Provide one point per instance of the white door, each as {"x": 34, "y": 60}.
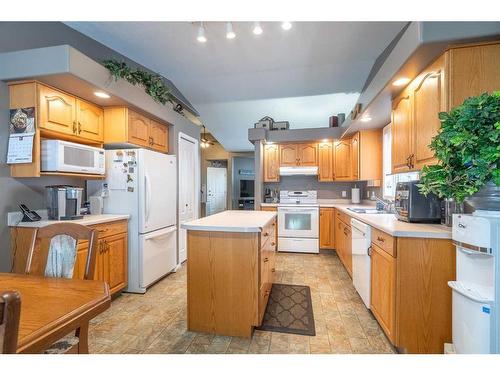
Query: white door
{"x": 158, "y": 254}
{"x": 157, "y": 190}
{"x": 188, "y": 169}
{"x": 216, "y": 190}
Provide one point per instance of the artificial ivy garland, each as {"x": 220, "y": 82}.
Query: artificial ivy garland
{"x": 151, "y": 82}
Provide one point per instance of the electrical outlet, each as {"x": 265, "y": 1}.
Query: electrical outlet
{"x": 344, "y": 194}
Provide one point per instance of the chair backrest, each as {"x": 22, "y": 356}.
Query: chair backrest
{"x": 10, "y": 312}
{"x": 38, "y": 255}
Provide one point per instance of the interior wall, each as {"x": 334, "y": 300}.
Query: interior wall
{"x": 241, "y": 163}
{"x": 217, "y": 152}
{"x": 25, "y": 35}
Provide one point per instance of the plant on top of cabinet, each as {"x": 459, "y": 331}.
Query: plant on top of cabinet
{"x": 152, "y": 83}
{"x": 468, "y": 149}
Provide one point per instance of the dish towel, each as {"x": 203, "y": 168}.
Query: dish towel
{"x": 62, "y": 256}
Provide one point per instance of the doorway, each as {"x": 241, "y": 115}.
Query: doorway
{"x": 216, "y": 190}
{"x": 189, "y": 172}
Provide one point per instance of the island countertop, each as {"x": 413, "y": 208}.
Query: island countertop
{"x": 232, "y": 221}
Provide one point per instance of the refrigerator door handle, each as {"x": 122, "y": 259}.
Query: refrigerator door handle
{"x": 162, "y": 235}
{"x": 147, "y": 197}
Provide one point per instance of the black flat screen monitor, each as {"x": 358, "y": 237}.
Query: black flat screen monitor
{"x": 246, "y": 188}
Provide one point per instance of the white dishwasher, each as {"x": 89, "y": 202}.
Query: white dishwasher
{"x": 361, "y": 262}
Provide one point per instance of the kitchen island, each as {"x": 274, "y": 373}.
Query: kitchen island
{"x": 230, "y": 267}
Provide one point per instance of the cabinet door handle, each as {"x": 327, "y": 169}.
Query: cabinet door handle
{"x": 380, "y": 239}
{"x": 273, "y": 243}
{"x": 273, "y": 269}
{"x": 74, "y": 126}
{"x": 79, "y": 127}
{"x": 265, "y": 234}
{"x": 266, "y": 259}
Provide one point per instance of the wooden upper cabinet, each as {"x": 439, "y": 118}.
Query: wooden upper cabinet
{"x": 57, "y": 111}
{"x": 401, "y": 134}
{"x": 122, "y": 125}
{"x": 355, "y": 156}
{"x": 307, "y": 154}
{"x": 473, "y": 70}
{"x": 342, "y": 160}
{"x": 325, "y": 162}
{"x": 326, "y": 228}
{"x": 138, "y": 129}
{"x": 90, "y": 121}
{"x": 159, "y": 136}
{"x": 271, "y": 163}
{"x": 289, "y": 155}
{"x": 427, "y": 103}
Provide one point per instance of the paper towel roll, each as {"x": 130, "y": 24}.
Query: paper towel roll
{"x": 355, "y": 195}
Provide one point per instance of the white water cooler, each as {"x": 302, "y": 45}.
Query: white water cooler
{"x": 474, "y": 323}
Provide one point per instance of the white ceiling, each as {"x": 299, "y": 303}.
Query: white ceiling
{"x": 302, "y": 75}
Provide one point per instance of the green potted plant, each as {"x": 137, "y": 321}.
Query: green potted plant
{"x": 468, "y": 151}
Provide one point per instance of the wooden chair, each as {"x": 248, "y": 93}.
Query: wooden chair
{"x": 36, "y": 265}
{"x": 10, "y": 311}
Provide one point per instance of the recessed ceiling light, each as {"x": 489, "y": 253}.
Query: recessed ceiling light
{"x": 101, "y": 94}
{"x": 365, "y": 119}
{"x": 257, "y": 29}
{"x": 201, "y": 34}
{"x": 286, "y": 25}
{"x": 401, "y": 81}
{"x": 230, "y": 34}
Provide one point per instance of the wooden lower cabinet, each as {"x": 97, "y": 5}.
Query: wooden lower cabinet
{"x": 343, "y": 238}
{"x": 229, "y": 280}
{"x": 111, "y": 253}
{"x": 383, "y": 290}
{"x": 423, "y": 298}
{"x": 410, "y": 297}
{"x": 111, "y": 256}
{"x": 326, "y": 228}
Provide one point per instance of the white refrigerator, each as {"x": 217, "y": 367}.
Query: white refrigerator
{"x": 143, "y": 184}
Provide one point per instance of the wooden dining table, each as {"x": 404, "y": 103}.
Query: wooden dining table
{"x": 51, "y": 308}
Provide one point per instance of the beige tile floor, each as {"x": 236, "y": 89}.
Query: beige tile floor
{"x": 156, "y": 321}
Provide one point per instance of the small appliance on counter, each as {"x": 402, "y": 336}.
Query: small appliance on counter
{"x": 64, "y": 202}
{"x": 355, "y": 195}
{"x": 413, "y": 207}
{"x": 271, "y": 195}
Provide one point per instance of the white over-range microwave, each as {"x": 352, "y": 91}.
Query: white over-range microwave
{"x": 62, "y": 156}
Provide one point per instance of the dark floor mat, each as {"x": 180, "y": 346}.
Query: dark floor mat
{"x": 289, "y": 310}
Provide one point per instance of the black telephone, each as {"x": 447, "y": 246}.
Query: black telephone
{"x": 29, "y": 215}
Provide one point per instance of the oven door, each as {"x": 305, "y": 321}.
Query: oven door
{"x": 298, "y": 222}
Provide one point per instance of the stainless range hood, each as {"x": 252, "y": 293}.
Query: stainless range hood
{"x": 298, "y": 171}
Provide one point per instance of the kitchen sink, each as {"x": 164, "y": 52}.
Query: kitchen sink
{"x": 367, "y": 211}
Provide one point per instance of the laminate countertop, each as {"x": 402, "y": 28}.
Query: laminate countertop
{"x": 387, "y": 223}
{"x": 14, "y": 220}
{"x": 232, "y": 221}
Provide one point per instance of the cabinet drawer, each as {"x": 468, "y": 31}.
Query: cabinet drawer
{"x": 343, "y": 217}
{"x": 110, "y": 229}
{"x": 264, "y": 293}
{"x": 268, "y": 232}
{"x": 385, "y": 241}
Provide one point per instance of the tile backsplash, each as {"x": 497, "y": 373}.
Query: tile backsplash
{"x": 326, "y": 190}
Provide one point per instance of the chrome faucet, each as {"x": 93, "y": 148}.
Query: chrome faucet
{"x": 388, "y": 204}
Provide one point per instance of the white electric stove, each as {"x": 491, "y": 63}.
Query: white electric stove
{"x": 298, "y": 221}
